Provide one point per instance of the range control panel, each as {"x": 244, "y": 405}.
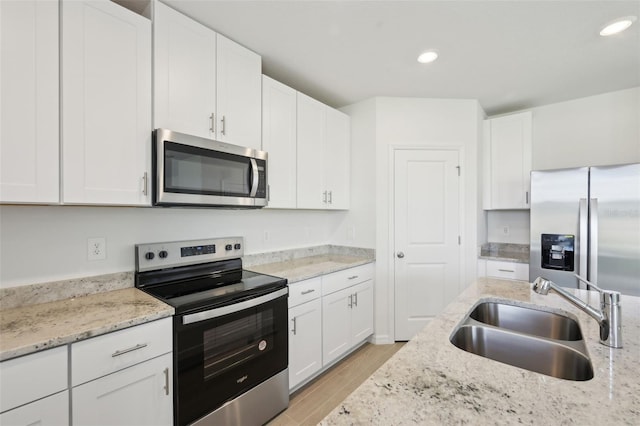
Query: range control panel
{"x": 154, "y": 256}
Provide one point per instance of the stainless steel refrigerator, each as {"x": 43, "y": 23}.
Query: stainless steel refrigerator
{"x": 586, "y": 221}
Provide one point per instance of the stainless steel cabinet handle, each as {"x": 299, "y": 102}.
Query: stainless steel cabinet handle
{"x": 355, "y": 297}
{"x": 330, "y": 197}
{"x": 145, "y": 184}
{"x": 526, "y": 196}
{"x": 126, "y": 351}
{"x": 324, "y": 197}
{"x": 351, "y": 300}
{"x": 400, "y": 255}
{"x": 506, "y": 270}
{"x": 307, "y": 291}
{"x": 166, "y": 381}
{"x": 224, "y": 125}
{"x": 294, "y": 326}
{"x": 212, "y": 125}
{"x": 353, "y": 277}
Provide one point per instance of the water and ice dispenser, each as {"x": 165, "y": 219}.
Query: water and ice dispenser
{"x": 557, "y": 252}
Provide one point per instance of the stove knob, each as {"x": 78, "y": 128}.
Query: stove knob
{"x": 163, "y": 254}
{"x": 228, "y": 247}
{"x": 237, "y": 246}
{"x": 149, "y": 255}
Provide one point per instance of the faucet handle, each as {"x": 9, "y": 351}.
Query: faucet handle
{"x": 607, "y": 297}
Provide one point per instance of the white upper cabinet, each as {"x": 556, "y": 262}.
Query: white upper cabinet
{"x": 205, "y": 84}
{"x": 184, "y": 73}
{"x": 323, "y": 156}
{"x": 337, "y": 158}
{"x": 29, "y": 102}
{"x": 311, "y": 162}
{"x": 106, "y": 104}
{"x": 239, "y": 85}
{"x": 279, "y": 140}
{"x": 507, "y": 161}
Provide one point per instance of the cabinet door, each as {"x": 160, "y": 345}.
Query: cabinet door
{"x": 336, "y": 325}
{"x": 29, "y": 102}
{"x": 337, "y": 158}
{"x": 509, "y": 165}
{"x": 106, "y": 104}
{"x": 239, "y": 94}
{"x": 279, "y": 140}
{"x": 311, "y": 128}
{"x": 361, "y": 312}
{"x": 138, "y": 395}
{"x": 184, "y": 73}
{"x": 50, "y": 411}
{"x": 305, "y": 341}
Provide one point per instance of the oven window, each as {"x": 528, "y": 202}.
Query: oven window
{"x": 232, "y": 344}
{"x": 193, "y": 170}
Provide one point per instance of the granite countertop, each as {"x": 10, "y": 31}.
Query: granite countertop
{"x": 295, "y": 270}
{"x": 33, "y": 328}
{"x": 517, "y": 253}
{"x": 431, "y": 382}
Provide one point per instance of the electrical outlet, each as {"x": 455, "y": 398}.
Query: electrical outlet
{"x": 266, "y": 236}
{"x": 351, "y": 233}
{"x": 96, "y": 248}
{"x": 505, "y": 230}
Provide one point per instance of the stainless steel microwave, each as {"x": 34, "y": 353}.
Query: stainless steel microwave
{"x": 194, "y": 171}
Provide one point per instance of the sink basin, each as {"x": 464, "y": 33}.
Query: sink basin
{"x": 527, "y": 320}
{"x": 543, "y": 356}
{"x": 536, "y": 340}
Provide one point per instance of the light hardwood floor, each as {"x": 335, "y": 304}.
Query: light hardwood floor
{"x": 314, "y": 401}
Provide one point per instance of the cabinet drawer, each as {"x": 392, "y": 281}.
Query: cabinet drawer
{"x": 32, "y": 377}
{"x": 102, "y": 355}
{"x": 508, "y": 270}
{"x": 346, "y": 278}
{"x": 304, "y": 291}
{"x": 50, "y": 411}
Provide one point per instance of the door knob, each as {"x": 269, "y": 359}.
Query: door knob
{"x": 400, "y": 255}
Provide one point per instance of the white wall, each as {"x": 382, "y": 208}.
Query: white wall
{"x": 517, "y": 222}
{"x": 414, "y": 122}
{"x": 48, "y": 243}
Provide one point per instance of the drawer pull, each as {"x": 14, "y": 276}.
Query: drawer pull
{"x": 506, "y": 270}
{"x": 295, "y": 324}
{"x": 353, "y": 277}
{"x": 126, "y": 351}
{"x": 166, "y": 381}
{"x": 307, "y": 291}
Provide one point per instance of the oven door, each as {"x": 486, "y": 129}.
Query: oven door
{"x": 195, "y": 171}
{"x": 224, "y": 352}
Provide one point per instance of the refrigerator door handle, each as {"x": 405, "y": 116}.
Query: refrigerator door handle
{"x": 582, "y": 239}
{"x": 593, "y": 240}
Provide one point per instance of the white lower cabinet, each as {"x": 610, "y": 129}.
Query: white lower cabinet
{"x": 124, "y": 377}
{"x": 503, "y": 269}
{"x": 138, "y": 395}
{"x": 50, "y": 411}
{"x": 305, "y": 341}
{"x": 347, "y": 319}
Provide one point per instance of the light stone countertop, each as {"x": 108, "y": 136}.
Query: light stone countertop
{"x": 32, "y": 328}
{"x": 432, "y": 382}
{"x": 295, "y": 270}
{"x": 505, "y": 252}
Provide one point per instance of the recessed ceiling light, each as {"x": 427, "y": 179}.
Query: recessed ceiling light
{"x": 617, "y": 26}
{"x": 428, "y": 56}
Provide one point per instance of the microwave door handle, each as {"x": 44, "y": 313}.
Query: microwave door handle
{"x": 255, "y": 177}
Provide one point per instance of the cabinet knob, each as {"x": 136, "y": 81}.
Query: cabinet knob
{"x": 400, "y": 255}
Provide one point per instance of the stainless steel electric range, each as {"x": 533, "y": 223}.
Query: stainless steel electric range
{"x": 230, "y": 338}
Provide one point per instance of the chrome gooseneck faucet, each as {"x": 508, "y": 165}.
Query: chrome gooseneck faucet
{"x": 609, "y": 317}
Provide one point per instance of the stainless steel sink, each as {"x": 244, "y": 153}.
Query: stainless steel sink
{"x": 527, "y": 320}
{"x": 539, "y": 341}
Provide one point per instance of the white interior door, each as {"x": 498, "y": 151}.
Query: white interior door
{"x": 426, "y": 233}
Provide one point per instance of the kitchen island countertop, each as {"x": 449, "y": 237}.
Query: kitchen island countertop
{"x": 432, "y": 382}
{"x": 37, "y": 327}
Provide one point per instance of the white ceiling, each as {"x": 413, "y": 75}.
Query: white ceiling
{"x": 509, "y": 55}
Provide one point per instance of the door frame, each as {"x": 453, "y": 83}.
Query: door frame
{"x": 391, "y": 288}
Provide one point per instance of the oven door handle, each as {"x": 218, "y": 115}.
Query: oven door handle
{"x": 235, "y": 307}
